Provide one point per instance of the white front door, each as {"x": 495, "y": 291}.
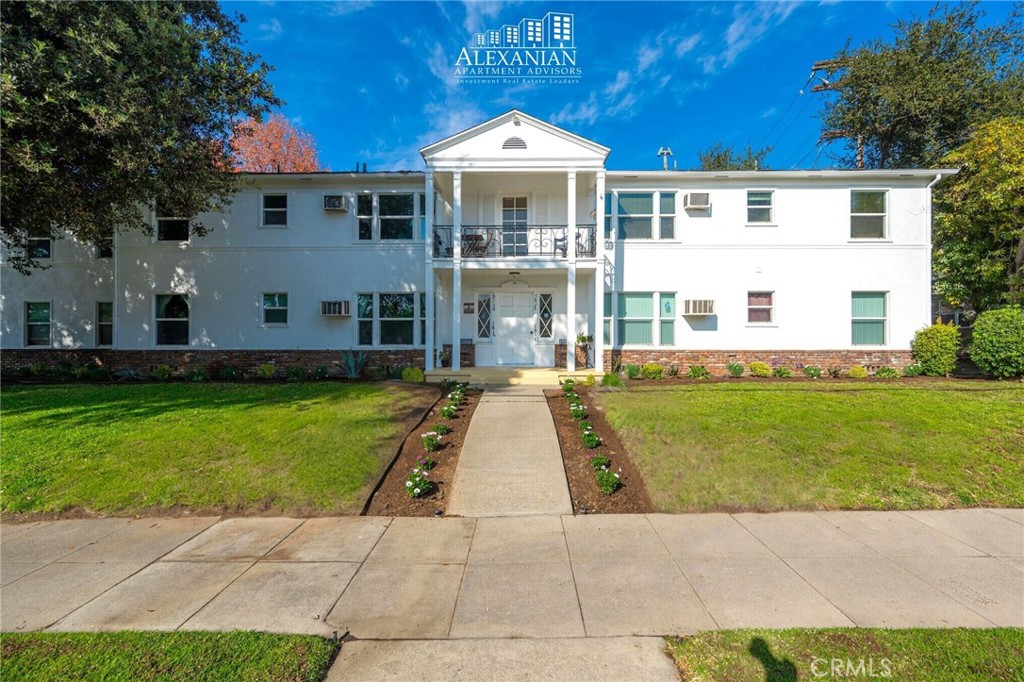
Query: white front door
{"x": 513, "y": 329}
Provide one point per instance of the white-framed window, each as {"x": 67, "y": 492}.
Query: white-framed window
{"x": 667, "y": 313}
{"x": 37, "y": 323}
{"x": 868, "y": 315}
{"x": 667, "y": 215}
{"x": 868, "y": 213}
{"x": 390, "y": 319}
{"x": 364, "y": 319}
{"x": 275, "y": 309}
{"x": 105, "y": 247}
{"x": 171, "y": 316}
{"x": 397, "y": 213}
{"x": 760, "y": 307}
{"x": 104, "y": 323}
{"x": 39, "y": 247}
{"x": 170, "y": 228}
{"x": 423, "y": 319}
{"x": 274, "y": 210}
{"x": 364, "y": 216}
{"x": 635, "y": 211}
{"x": 607, "y": 317}
{"x": 760, "y": 206}
{"x": 636, "y": 319}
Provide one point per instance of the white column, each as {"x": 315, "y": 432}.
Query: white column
{"x": 599, "y": 277}
{"x": 456, "y": 269}
{"x": 570, "y": 215}
{"x": 428, "y": 288}
{"x": 570, "y": 300}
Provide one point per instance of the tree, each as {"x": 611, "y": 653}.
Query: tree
{"x": 108, "y": 106}
{"x": 719, "y": 157}
{"x": 911, "y": 102}
{"x": 275, "y": 146}
{"x": 979, "y": 222}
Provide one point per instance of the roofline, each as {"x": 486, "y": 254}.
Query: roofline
{"x": 924, "y": 173}
{"x": 469, "y": 132}
{"x": 336, "y": 174}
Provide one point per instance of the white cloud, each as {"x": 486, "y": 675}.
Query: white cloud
{"x": 481, "y": 14}
{"x": 750, "y": 23}
{"x": 647, "y": 56}
{"x": 582, "y": 112}
{"x": 342, "y": 7}
{"x": 686, "y": 45}
{"x": 618, "y": 85}
{"x": 270, "y": 30}
{"x": 401, "y": 80}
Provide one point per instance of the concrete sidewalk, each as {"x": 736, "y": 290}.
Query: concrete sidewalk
{"x": 510, "y": 464}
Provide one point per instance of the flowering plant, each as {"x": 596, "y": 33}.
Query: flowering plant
{"x": 591, "y": 439}
{"x": 599, "y": 462}
{"x": 448, "y": 411}
{"x": 578, "y": 411}
{"x": 425, "y": 463}
{"x": 417, "y": 484}
{"x": 608, "y": 481}
{"x": 431, "y": 441}
{"x": 441, "y": 429}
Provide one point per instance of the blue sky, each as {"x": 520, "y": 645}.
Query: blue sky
{"x": 375, "y": 81}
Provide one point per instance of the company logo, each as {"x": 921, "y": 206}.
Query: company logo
{"x": 532, "y": 51}
{"x": 851, "y": 668}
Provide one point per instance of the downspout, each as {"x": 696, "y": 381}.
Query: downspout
{"x": 928, "y": 242}
{"x": 115, "y": 341}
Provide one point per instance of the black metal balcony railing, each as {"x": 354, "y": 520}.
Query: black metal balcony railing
{"x": 514, "y": 241}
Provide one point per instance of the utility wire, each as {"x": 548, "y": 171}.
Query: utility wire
{"x": 788, "y": 107}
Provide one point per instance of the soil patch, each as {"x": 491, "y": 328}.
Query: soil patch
{"x": 587, "y": 498}
{"x": 391, "y": 498}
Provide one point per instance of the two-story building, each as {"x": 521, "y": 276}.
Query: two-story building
{"x": 515, "y": 241}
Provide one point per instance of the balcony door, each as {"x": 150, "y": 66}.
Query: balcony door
{"x": 513, "y": 328}
{"x": 514, "y": 231}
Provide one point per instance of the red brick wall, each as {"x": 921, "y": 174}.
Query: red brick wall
{"x": 716, "y": 360}
{"x": 467, "y": 354}
{"x": 210, "y": 360}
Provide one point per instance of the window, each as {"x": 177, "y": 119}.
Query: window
{"x": 364, "y": 315}
{"x": 170, "y": 228}
{"x": 37, "y": 324}
{"x": 396, "y": 319}
{"x": 636, "y": 213}
{"x": 760, "y": 307}
{"x": 275, "y": 309}
{"x": 869, "y": 314}
{"x": 667, "y": 211}
{"x": 423, "y": 216}
{"x": 484, "y": 316}
{"x": 40, "y": 247}
{"x": 104, "y": 324}
{"x": 607, "y": 215}
{"x": 275, "y": 210}
{"x": 759, "y": 206}
{"x": 105, "y": 248}
{"x": 172, "y": 319}
{"x": 667, "y": 306}
{"x": 514, "y": 233}
{"x": 364, "y": 214}
{"x": 607, "y": 319}
{"x": 867, "y": 214}
{"x": 545, "y": 319}
{"x": 396, "y": 216}
{"x": 636, "y": 317}
{"x": 423, "y": 318}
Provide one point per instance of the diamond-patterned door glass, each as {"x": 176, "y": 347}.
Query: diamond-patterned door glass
{"x": 544, "y": 316}
{"x": 483, "y": 316}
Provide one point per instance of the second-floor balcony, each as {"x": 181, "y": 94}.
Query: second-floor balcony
{"x": 517, "y": 241}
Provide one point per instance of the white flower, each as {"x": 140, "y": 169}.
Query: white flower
{"x": 415, "y": 471}
{"x": 616, "y": 475}
{"x": 408, "y": 484}
{"x": 416, "y": 491}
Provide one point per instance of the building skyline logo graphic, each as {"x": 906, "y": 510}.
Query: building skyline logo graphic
{"x": 531, "y": 51}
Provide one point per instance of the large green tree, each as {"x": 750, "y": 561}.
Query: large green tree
{"x": 979, "y": 222}
{"x": 108, "y": 106}
{"x": 722, "y": 157}
{"x": 911, "y": 101}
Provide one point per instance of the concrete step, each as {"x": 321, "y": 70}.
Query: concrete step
{"x": 507, "y": 376}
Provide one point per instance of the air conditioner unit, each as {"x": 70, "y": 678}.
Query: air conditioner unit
{"x": 699, "y": 307}
{"x": 697, "y": 200}
{"x": 335, "y": 308}
{"x": 335, "y": 202}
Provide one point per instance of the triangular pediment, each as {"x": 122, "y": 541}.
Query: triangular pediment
{"x": 514, "y": 140}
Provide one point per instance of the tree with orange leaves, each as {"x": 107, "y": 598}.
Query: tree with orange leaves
{"x": 274, "y": 146}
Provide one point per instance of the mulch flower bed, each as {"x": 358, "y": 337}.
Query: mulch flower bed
{"x": 587, "y": 498}
{"x": 392, "y": 498}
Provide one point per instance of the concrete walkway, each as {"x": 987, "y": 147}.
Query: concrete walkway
{"x": 510, "y": 463}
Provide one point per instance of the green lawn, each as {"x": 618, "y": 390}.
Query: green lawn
{"x": 907, "y": 655}
{"x": 165, "y": 656}
{"x": 300, "y": 448}
{"x": 802, "y": 445}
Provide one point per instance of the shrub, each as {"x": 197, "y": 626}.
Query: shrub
{"x": 812, "y": 371}
{"x": 128, "y": 374}
{"x": 448, "y": 412}
{"x": 80, "y": 373}
{"x": 935, "y": 347}
{"x": 835, "y": 371}
{"x": 431, "y": 441}
{"x": 296, "y": 373}
{"x": 441, "y": 429}
{"x": 162, "y": 372}
{"x": 857, "y": 372}
{"x": 417, "y": 484}
{"x": 591, "y": 440}
{"x": 887, "y": 373}
{"x": 353, "y": 364}
{"x": 266, "y": 371}
{"x": 599, "y": 462}
{"x": 413, "y": 374}
{"x": 633, "y": 371}
{"x": 586, "y": 426}
{"x": 698, "y": 372}
{"x": 913, "y": 370}
{"x": 734, "y": 369}
{"x": 568, "y": 386}
{"x": 611, "y": 380}
{"x": 320, "y": 372}
{"x": 760, "y": 369}
{"x": 198, "y": 375}
{"x": 590, "y": 380}
{"x": 98, "y": 373}
{"x": 607, "y": 481}
{"x": 579, "y": 411}
{"x": 781, "y": 373}
{"x": 228, "y": 373}
{"x": 425, "y": 463}
{"x": 998, "y": 347}
{"x": 673, "y": 370}
{"x": 652, "y": 370}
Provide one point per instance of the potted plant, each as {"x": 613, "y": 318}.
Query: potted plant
{"x": 445, "y": 356}
{"x": 583, "y": 342}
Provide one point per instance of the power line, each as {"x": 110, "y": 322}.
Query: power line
{"x": 788, "y": 107}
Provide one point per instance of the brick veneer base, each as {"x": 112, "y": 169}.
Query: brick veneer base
{"x": 791, "y": 359}
{"x": 210, "y": 360}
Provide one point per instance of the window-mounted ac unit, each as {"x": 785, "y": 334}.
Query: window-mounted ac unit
{"x": 334, "y": 308}
{"x": 697, "y": 200}
{"x": 335, "y": 202}
{"x": 699, "y": 307}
